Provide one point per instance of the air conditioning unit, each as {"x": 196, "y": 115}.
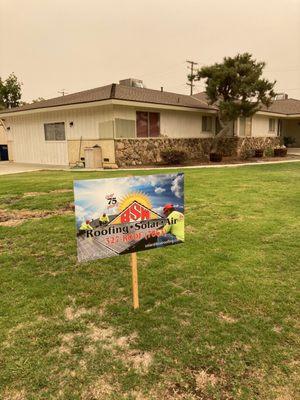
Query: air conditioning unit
{"x": 132, "y": 82}
{"x": 281, "y": 96}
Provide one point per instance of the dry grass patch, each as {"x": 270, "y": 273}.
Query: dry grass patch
{"x": 203, "y": 379}
{"x": 71, "y": 313}
{"x": 99, "y": 390}
{"x": 15, "y": 218}
{"x": 33, "y": 194}
{"x": 227, "y": 318}
{"x": 13, "y": 394}
{"x": 67, "y": 342}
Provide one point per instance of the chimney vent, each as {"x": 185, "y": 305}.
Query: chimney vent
{"x": 161, "y": 89}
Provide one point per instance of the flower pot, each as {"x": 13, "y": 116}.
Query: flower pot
{"x": 259, "y": 153}
{"x": 280, "y": 152}
{"x": 215, "y": 157}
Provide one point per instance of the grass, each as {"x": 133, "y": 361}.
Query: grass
{"x": 218, "y": 316}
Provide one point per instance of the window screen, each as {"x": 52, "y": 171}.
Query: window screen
{"x": 206, "y": 124}
{"x": 55, "y": 131}
{"x": 125, "y": 128}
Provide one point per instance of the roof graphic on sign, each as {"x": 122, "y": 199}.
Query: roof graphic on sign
{"x": 135, "y": 212}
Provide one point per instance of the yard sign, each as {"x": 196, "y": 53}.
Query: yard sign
{"x": 116, "y": 216}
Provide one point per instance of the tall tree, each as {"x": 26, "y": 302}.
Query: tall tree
{"x": 237, "y": 87}
{"x": 10, "y": 92}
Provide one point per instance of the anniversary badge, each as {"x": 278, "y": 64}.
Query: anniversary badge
{"x": 125, "y": 215}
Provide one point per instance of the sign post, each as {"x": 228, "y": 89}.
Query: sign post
{"x": 135, "y": 283}
{"x": 117, "y": 216}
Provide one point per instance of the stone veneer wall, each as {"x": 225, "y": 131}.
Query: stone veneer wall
{"x": 147, "y": 151}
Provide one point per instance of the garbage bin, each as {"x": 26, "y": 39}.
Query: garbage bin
{"x": 93, "y": 157}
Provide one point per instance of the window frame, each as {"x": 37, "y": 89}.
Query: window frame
{"x": 47, "y": 124}
{"x": 148, "y": 124}
{"x": 202, "y": 123}
{"x": 272, "y": 121}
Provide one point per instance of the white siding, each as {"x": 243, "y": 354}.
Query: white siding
{"x": 260, "y": 126}
{"x": 173, "y": 124}
{"x": 28, "y": 136}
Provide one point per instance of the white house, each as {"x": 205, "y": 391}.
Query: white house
{"x": 57, "y": 130}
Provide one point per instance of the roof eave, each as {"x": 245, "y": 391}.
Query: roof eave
{"x": 102, "y": 103}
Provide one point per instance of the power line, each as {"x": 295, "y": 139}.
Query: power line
{"x": 192, "y": 76}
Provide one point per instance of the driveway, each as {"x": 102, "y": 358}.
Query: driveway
{"x": 7, "y": 167}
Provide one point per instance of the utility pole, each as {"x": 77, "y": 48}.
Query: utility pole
{"x": 62, "y": 92}
{"x": 191, "y": 83}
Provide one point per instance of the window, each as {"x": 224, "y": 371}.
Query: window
{"x": 55, "y": 131}
{"x": 242, "y": 130}
{"x": 271, "y": 125}
{"x": 147, "y": 124}
{"x": 206, "y": 124}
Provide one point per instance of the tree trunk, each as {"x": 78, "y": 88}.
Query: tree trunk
{"x": 223, "y": 133}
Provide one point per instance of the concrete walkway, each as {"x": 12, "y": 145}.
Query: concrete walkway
{"x": 295, "y": 151}
{"x": 7, "y": 168}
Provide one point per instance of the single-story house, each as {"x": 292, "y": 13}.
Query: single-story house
{"x": 56, "y": 131}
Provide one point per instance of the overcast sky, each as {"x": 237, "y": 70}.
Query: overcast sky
{"x": 81, "y": 44}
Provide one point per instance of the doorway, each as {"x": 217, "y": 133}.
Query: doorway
{"x": 3, "y": 152}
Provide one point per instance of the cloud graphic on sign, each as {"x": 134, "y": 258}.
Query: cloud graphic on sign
{"x": 159, "y": 190}
{"x": 177, "y": 186}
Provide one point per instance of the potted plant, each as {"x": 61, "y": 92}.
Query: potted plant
{"x": 215, "y": 157}
{"x": 259, "y": 153}
{"x": 280, "y": 151}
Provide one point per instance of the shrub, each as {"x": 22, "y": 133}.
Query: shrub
{"x": 269, "y": 152}
{"x": 288, "y": 140}
{"x": 173, "y": 156}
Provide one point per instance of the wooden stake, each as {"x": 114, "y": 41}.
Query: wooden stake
{"x": 135, "y": 285}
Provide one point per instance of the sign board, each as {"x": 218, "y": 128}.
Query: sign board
{"x": 116, "y": 216}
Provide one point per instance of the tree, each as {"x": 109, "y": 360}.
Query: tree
{"x": 38, "y": 100}
{"x": 236, "y": 86}
{"x": 10, "y": 92}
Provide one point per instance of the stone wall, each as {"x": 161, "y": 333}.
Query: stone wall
{"x": 147, "y": 151}
{"x": 246, "y": 145}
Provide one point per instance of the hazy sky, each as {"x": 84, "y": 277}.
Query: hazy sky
{"x": 81, "y": 44}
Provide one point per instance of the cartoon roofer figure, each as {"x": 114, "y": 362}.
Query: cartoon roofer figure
{"x": 85, "y": 226}
{"x": 174, "y": 230}
{"x": 103, "y": 220}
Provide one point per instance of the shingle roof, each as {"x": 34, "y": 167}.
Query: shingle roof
{"x": 118, "y": 92}
{"x": 284, "y": 106}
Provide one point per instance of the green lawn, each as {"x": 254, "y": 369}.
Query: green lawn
{"x": 218, "y": 317}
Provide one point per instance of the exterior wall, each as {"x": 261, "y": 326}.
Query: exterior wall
{"x": 291, "y": 128}
{"x": 107, "y": 146}
{"x": 28, "y": 140}
{"x": 3, "y": 136}
{"x": 175, "y": 124}
{"x": 260, "y": 126}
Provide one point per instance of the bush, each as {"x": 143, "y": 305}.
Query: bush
{"x": 173, "y": 156}
{"x": 269, "y": 152}
{"x": 288, "y": 141}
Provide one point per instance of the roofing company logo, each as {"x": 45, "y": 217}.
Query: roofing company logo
{"x": 135, "y": 207}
